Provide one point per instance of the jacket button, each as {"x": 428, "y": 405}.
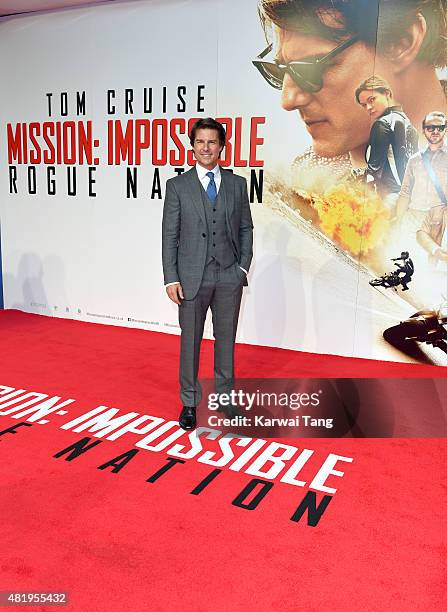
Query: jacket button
{"x": 203, "y": 235}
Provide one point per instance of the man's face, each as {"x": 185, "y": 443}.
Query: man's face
{"x": 374, "y": 102}
{"x": 434, "y": 130}
{"x": 207, "y": 147}
{"x": 332, "y": 116}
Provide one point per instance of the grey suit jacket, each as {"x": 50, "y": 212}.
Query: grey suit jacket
{"x": 184, "y": 228}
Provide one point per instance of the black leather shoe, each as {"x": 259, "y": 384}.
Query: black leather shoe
{"x": 187, "y": 418}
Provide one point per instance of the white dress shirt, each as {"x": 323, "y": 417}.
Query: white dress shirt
{"x": 204, "y": 179}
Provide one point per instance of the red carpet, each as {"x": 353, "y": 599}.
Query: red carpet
{"x": 117, "y": 542}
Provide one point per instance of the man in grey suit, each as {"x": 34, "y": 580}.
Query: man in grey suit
{"x": 207, "y": 236}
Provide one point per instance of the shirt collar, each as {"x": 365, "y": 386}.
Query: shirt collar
{"x": 201, "y": 171}
{"x": 443, "y": 148}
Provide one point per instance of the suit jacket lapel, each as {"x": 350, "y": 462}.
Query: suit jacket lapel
{"x": 227, "y": 188}
{"x": 195, "y": 192}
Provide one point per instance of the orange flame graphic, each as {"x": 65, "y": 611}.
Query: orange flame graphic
{"x": 353, "y": 216}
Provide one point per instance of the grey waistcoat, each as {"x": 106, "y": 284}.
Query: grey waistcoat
{"x": 219, "y": 246}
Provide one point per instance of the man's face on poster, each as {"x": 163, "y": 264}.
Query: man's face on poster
{"x": 336, "y": 123}
{"x": 434, "y": 130}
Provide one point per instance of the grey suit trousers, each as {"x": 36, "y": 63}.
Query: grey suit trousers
{"x": 220, "y": 290}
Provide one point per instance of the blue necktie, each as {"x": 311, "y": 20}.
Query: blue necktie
{"x": 211, "y": 190}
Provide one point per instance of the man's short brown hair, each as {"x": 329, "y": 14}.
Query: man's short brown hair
{"x": 208, "y": 124}
{"x": 373, "y": 83}
{"x": 376, "y": 22}
{"x": 434, "y": 115}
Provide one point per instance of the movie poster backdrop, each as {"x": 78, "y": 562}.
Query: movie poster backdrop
{"x": 96, "y": 107}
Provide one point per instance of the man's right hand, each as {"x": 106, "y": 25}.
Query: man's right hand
{"x": 175, "y": 293}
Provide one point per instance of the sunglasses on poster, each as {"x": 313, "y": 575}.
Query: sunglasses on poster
{"x": 432, "y": 128}
{"x": 307, "y": 73}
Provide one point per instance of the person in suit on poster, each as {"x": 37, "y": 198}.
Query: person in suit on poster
{"x": 421, "y": 206}
{"x": 432, "y": 165}
{"x": 392, "y": 141}
{"x": 207, "y": 248}
{"x": 425, "y": 181}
